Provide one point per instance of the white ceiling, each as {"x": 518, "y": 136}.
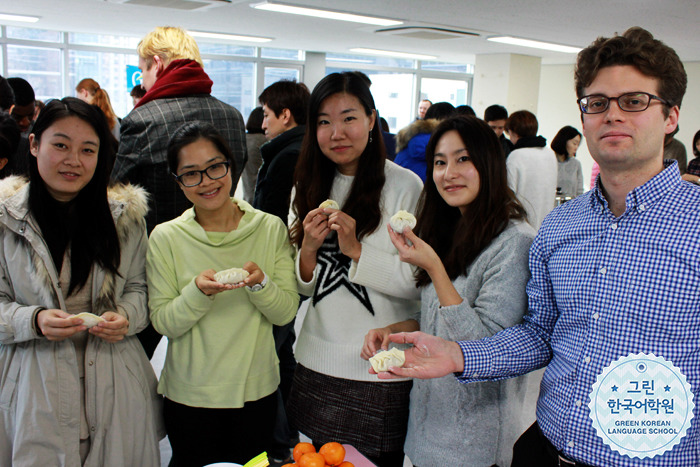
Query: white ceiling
{"x": 568, "y": 22}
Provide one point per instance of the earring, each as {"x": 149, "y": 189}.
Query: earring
{"x": 370, "y": 136}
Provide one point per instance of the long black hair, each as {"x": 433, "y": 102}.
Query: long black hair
{"x": 85, "y": 223}
{"x": 314, "y": 173}
{"x": 458, "y": 239}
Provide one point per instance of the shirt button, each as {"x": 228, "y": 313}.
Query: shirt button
{"x": 91, "y": 363}
{"x": 587, "y": 359}
{"x": 596, "y": 315}
{"x": 570, "y": 444}
{"x": 578, "y": 403}
{"x": 92, "y": 428}
{"x": 475, "y": 375}
{"x": 642, "y": 207}
{"x": 603, "y": 270}
{"x": 613, "y": 226}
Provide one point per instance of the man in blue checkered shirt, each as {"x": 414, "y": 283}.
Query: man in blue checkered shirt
{"x": 615, "y": 272}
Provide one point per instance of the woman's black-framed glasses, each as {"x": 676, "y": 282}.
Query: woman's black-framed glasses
{"x": 629, "y": 102}
{"x": 195, "y": 177}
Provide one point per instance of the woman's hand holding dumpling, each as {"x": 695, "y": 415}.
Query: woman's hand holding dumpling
{"x": 413, "y": 250}
{"x": 57, "y": 325}
{"x": 344, "y": 225}
{"x": 316, "y": 229}
{"x": 113, "y": 328}
{"x": 209, "y": 286}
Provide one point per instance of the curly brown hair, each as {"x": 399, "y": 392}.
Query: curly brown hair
{"x": 638, "y": 48}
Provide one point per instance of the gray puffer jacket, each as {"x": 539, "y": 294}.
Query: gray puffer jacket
{"x": 39, "y": 381}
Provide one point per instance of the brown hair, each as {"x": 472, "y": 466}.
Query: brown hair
{"x": 523, "y": 123}
{"x": 100, "y": 98}
{"x": 638, "y": 48}
{"x": 458, "y": 239}
{"x": 287, "y": 94}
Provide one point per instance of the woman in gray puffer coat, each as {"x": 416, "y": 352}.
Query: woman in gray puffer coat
{"x": 70, "y": 395}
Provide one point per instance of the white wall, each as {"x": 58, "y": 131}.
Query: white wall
{"x": 557, "y": 107}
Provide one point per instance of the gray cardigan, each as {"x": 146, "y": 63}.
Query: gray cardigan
{"x": 474, "y": 424}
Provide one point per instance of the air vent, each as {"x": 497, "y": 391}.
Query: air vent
{"x": 426, "y": 32}
{"x": 175, "y": 4}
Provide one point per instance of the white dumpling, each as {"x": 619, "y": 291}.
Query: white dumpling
{"x": 329, "y": 203}
{"x": 386, "y": 358}
{"x": 89, "y": 319}
{"x": 401, "y": 220}
{"x": 231, "y": 276}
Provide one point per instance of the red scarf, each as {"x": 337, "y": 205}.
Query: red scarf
{"x": 182, "y": 77}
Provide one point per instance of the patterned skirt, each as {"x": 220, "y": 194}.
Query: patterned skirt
{"x": 372, "y": 417}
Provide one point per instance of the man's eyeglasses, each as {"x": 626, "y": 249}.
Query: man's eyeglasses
{"x": 629, "y": 102}
{"x": 194, "y": 177}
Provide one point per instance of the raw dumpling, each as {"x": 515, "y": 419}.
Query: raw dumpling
{"x": 329, "y": 203}
{"x": 89, "y": 319}
{"x": 231, "y": 276}
{"x": 386, "y": 358}
{"x": 401, "y": 220}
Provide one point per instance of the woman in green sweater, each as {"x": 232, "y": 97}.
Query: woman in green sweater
{"x": 221, "y": 370}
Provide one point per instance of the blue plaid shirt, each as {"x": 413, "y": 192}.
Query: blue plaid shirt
{"x": 601, "y": 288}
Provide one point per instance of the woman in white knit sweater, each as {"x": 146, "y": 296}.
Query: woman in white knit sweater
{"x": 348, "y": 266}
{"x": 471, "y": 246}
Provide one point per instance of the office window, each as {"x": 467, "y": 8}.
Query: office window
{"x": 33, "y": 34}
{"x": 225, "y": 49}
{"x": 234, "y": 83}
{"x": 40, "y": 66}
{"x": 361, "y": 60}
{"x": 104, "y": 40}
{"x": 109, "y": 70}
{"x": 445, "y": 90}
{"x": 287, "y": 54}
{"x": 392, "y": 93}
{"x": 274, "y": 74}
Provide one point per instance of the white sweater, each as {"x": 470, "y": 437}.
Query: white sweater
{"x": 375, "y": 291}
{"x": 532, "y": 175}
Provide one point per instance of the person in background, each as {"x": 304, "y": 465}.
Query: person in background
{"x": 38, "y": 107}
{"x": 90, "y": 91}
{"x": 495, "y": 117}
{"x": 136, "y": 93}
{"x": 23, "y": 113}
{"x": 9, "y": 140}
{"x": 221, "y": 372}
{"x": 389, "y": 139}
{"x": 412, "y": 140}
{"x": 569, "y": 172}
{"x": 71, "y": 395}
{"x": 177, "y": 91}
{"x": 693, "y": 172}
{"x": 470, "y": 247}
{"x": 350, "y": 270}
{"x": 254, "y": 138}
{"x": 7, "y": 96}
{"x": 674, "y": 149}
{"x": 532, "y": 167}
{"x": 423, "y": 107}
{"x": 465, "y": 110}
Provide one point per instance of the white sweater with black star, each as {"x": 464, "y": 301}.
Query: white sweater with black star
{"x": 349, "y": 298}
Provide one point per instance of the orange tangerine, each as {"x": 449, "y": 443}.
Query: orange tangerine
{"x": 302, "y": 448}
{"x": 311, "y": 459}
{"x": 333, "y": 453}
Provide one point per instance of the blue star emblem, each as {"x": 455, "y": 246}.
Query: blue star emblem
{"x": 614, "y": 388}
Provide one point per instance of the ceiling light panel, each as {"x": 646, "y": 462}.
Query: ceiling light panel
{"x": 535, "y": 44}
{"x": 326, "y": 14}
{"x": 391, "y": 53}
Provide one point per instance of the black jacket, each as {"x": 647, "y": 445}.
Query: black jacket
{"x": 276, "y": 174}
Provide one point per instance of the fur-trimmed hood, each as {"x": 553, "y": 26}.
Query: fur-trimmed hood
{"x": 128, "y": 203}
{"x": 415, "y": 128}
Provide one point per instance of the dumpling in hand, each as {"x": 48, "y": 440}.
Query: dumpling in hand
{"x": 401, "y": 220}
{"x": 329, "y": 203}
{"x": 89, "y": 319}
{"x": 386, "y": 358}
{"x": 231, "y": 276}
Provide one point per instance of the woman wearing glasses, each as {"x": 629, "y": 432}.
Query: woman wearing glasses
{"x": 221, "y": 370}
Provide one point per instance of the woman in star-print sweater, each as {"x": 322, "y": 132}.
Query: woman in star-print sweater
{"x": 349, "y": 268}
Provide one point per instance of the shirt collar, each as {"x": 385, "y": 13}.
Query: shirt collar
{"x": 644, "y": 196}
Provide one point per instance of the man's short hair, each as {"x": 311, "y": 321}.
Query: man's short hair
{"x": 523, "y": 123}
{"x": 137, "y": 91}
{"x": 287, "y": 94}
{"x": 495, "y": 112}
{"x": 7, "y": 95}
{"x": 426, "y": 100}
{"x": 169, "y": 43}
{"x": 638, "y": 48}
{"x": 24, "y": 93}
